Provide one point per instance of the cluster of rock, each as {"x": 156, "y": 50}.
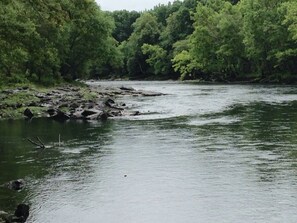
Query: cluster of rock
{"x": 22, "y": 210}
{"x": 68, "y": 102}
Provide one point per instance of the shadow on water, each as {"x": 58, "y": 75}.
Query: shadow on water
{"x": 70, "y": 159}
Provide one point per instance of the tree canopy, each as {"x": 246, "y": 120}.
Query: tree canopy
{"x": 220, "y": 40}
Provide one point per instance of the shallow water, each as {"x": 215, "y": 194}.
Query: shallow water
{"x": 200, "y": 153}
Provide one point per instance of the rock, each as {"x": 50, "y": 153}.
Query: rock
{"x": 60, "y": 116}
{"x": 77, "y": 115}
{"x": 63, "y": 105}
{"x": 22, "y": 212}
{"x": 114, "y": 113}
{"x": 91, "y": 105}
{"x": 3, "y": 217}
{"x": 25, "y": 88}
{"x": 33, "y": 104}
{"x": 18, "y": 105}
{"x": 127, "y": 88}
{"x": 74, "y": 105}
{"x": 89, "y": 112}
{"x": 104, "y": 116}
{"x": 150, "y": 93}
{"x": 94, "y": 117}
{"x": 8, "y": 91}
{"x": 40, "y": 95}
{"x": 15, "y": 184}
{"x": 131, "y": 113}
{"x": 28, "y": 113}
{"x": 52, "y": 111}
{"x": 109, "y": 102}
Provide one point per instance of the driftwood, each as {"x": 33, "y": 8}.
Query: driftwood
{"x": 37, "y": 143}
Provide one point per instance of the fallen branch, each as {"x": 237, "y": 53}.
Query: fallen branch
{"x": 39, "y": 144}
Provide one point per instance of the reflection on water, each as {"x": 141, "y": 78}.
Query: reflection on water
{"x": 200, "y": 154}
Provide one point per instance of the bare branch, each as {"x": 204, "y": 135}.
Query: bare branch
{"x": 40, "y": 144}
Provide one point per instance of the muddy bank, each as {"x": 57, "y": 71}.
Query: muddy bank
{"x": 67, "y": 102}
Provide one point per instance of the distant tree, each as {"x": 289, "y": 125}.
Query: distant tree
{"x": 146, "y": 31}
{"x": 217, "y": 41}
{"x": 15, "y": 33}
{"x": 263, "y": 33}
{"x": 156, "y": 56}
{"x": 123, "y": 23}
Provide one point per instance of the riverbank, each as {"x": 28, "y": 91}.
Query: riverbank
{"x": 66, "y": 102}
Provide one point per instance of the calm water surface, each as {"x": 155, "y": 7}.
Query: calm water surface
{"x": 201, "y": 153}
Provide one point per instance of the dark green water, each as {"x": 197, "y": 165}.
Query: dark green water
{"x": 200, "y": 154}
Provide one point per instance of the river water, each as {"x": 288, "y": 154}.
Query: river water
{"x": 200, "y": 153}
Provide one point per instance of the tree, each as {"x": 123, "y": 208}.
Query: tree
{"x": 123, "y": 24}
{"x": 146, "y": 31}
{"x": 263, "y": 33}
{"x": 156, "y": 56}
{"x": 287, "y": 55}
{"x": 15, "y": 32}
{"x": 217, "y": 41}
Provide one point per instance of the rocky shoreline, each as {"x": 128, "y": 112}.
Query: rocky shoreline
{"x": 68, "y": 102}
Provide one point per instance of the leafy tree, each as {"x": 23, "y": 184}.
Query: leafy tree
{"x": 15, "y": 32}
{"x": 156, "y": 56}
{"x": 146, "y": 31}
{"x": 123, "y": 24}
{"x": 87, "y": 36}
{"x": 42, "y": 40}
{"x": 287, "y": 55}
{"x": 184, "y": 64}
{"x": 179, "y": 26}
{"x": 217, "y": 42}
{"x": 263, "y": 33}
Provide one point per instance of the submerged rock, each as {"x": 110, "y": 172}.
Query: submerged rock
{"x": 15, "y": 184}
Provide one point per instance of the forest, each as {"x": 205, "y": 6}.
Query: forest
{"x": 48, "y": 42}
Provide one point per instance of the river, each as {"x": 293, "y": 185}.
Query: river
{"x": 199, "y": 153}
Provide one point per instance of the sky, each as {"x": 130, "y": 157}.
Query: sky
{"x": 137, "y": 5}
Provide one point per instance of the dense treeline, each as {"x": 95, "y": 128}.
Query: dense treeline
{"x": 214, "y": 40}
{"x": 218, "y": 40}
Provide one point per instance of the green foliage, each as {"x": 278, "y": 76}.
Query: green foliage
{"x": 217, "y": 42}
{"x": 123, "y": 24}
{"x": 146, "y": 31}
{"x": 184, "y": 64}
{"x": 156, "y": 57}
{"x": 45, "y": 41}
{"x": 51, "y": 41}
